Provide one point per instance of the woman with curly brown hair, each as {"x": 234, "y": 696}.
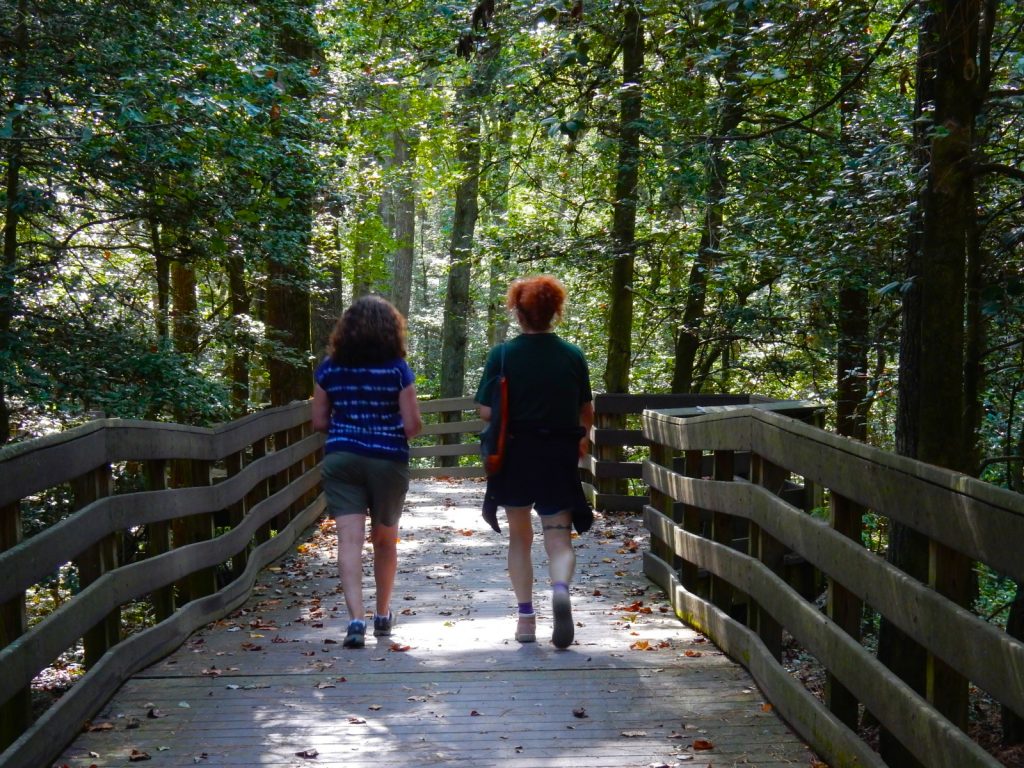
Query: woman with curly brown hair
{"x": 365, "y": 400}
{"x": 550, "y": 413}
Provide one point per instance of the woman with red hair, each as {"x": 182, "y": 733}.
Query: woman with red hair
{"x": 550, "y": 413}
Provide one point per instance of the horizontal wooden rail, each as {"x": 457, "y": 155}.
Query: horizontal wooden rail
{"x": 978, "y": 520}
{"x": 262, "y": 500}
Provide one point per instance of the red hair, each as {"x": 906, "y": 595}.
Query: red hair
{"x": 539, "y": 300}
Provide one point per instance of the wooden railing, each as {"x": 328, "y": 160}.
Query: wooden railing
{"x": 619, "y": 446}
{"x": 719, "y": 543}
{"x": 219, "y": 505}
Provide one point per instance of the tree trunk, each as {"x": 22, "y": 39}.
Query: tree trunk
{"x": 498, "y": 181}
{"x": 716, "y": 174}
{"x": 12, "y": 216}
{"x": 457, "y": 305}
{"x": 162, "y": 265}
{"x": 853, "y": 325}
{"x": 288, "y": 313}
{"x": 930, "y": 412}
{"x": 620, "y": 311}
{"x": 404, "y": 226}
{"x": 185, "y": 309}
{"x": 469, "y": 118}
{"x": 240, "y": 348}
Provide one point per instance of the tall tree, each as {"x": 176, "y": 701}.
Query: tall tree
{"x": 729, "y": 110}
{"x": 624, "y": 217}
{"x": 930, "y": 417}
{"x": 481, "y": 50}
{"x": 288, "y": 312}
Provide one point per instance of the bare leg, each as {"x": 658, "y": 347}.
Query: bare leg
{"x": 561, "y": 565}
{"x": 385, "y": 563}
{"x": 351, "y": 535}
{"x": 520, "y": 544}
{"x": 558, "y": 544}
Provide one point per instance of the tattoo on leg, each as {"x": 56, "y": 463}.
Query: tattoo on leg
{"x": 557, "y": 527}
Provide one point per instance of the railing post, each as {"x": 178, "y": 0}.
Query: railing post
{"x": 949, "y": 573}
{"x": 94, "y": 562}
{"x": 259, "y": 491}
{"x": 280, "y": 480}
{"x": 721, "y": 530}
{"x": 201, "y": 527}
{"x": 187, "y": 473}
{"x": 233, "y": 465}
{"x": 612, "y": 453}
{"x": 159, "y": 537}
{"x": 16, "y": 712}
{"x": 664, "y": 503}
{"x": 768, "y": 550}
{"x": 689, "y": 574}
{"x": 844, "y": 608}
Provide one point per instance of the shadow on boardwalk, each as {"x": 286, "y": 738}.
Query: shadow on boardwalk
{"x": 272, "y": 686}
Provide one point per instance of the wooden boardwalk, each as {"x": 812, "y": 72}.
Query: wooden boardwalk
{"x": 272, "y": 686}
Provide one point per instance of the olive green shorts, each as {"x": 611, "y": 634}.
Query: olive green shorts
{"x": 357, "y": 485}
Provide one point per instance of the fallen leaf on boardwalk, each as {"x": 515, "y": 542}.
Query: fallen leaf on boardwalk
{"x": 374, "y": 707}
{"x": 278, "y": 639}
{"x": 399, "y": 648}
{"x": 580, "y": 712}
{"x": 211, "y": 672}
{"x": 100, "y": 727}
{"x": 326, "y": 685}
{"x": 641, "y": 645}
{"x": 702, "y": 744}
{"x": 308, "y": 653}
{"x": 407, "y": 612}
{"x": 309, "y": 754}
{"x": 132, "y": 723}
{"x": 466, "y": 532}
{"x": 634, "y": 734}
{"x": 356, "y": 720}
{"x": 200, "y": 757}
{"x": 474, "y": 713}
{"x": 693, "y": 654}
{"x": 247, "y": 646}
{"x": 184, "y": 705}
{"x": 155, "y": 713}
{"x": 232, "y": 687}
{"x": 818, "y": 764}
{"x": 330, "y": 641}
{"x": 766, "y": 707}
{"x": 137, "y": 756}
{"x": 597, "y": 593}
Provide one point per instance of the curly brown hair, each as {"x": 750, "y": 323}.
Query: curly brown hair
{"x": 371, "y": 331}
{"x": 539, "y": 301}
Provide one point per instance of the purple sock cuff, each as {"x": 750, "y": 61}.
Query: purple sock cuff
{"x": 525, "y": 609}
{"x": 560, "y": 585}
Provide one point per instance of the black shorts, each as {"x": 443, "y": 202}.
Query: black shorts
{"x": 540, "y": 470}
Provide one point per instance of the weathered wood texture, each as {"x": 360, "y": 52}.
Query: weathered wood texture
{"x": 450, "y": 686}
{"x": 963, "y": 514}
{"x": 90, "y": 538}
{"x": 619, "y": 451}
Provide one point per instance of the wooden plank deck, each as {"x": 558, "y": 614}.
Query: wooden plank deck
{"x": 272, "y": 686}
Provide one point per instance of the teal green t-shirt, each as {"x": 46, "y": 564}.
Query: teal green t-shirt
{"x": 548, "y": 379}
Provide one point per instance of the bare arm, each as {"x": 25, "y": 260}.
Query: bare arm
{"x": 485, "y": 412}
{"x": 409, "y": 407}
{"x": 321, "y": 409}
{"x": 587, "y": 422}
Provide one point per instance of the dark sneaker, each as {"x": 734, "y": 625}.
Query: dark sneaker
{"x": 561, "y": 606}
{"x": 356, "y": 635}
{"x": 382, "y": 624}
